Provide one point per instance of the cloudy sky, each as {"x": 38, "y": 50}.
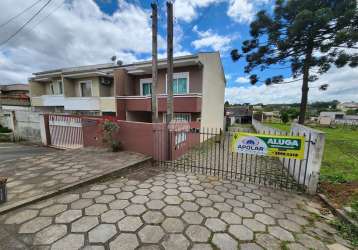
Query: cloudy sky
{"x": 78, "y": 32}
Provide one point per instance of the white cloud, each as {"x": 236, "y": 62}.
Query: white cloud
{"x": 210, "y": 39}
{"x": 343, "y": 86}
{"x": 243, "y": 11}
{"x": 242, "y": 79}
{"x": 228, "y": 77}
{"x": 187, "y": 10}
{"x": 78, "y": 33}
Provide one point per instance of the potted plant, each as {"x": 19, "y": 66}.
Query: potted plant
{"x": 3, "y": 191}
{"x": 109, "y": 130}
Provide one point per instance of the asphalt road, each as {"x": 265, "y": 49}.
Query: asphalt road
{"x": 10, "y": 151}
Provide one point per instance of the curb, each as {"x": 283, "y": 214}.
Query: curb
{"x": 93, "y": 179}
{"x": 338, "y": 212}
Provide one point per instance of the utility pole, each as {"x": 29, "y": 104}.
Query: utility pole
{"x": 170, "y": 62}
{"x": 154, "y": 102}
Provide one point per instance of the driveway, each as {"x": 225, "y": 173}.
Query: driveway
{"x": 154, "y": 209}
{"x": 39, "y": 175}
{"x": 10, "y": 151}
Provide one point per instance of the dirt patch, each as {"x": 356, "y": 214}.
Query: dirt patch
{"x": 340, "y": 193}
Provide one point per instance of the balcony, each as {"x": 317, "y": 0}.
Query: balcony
{"x": 69, "y": 103}
{"x": 82, "y": 103}
{"x": 189, "y": 103}
{"x": 48, "y": 100}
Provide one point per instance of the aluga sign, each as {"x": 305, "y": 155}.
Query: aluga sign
{"x": 269, "y": 145}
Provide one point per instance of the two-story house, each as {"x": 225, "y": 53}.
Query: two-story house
{"x": 80, "y": 90}
{"x": 125, "y": 90}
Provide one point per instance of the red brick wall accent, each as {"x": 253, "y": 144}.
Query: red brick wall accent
{"x": 145, "y": 138}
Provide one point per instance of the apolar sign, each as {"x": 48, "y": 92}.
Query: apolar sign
{"x": 269, "y": 145}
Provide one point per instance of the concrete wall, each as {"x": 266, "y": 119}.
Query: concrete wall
{"x": 134, "y": 136}
{"x": 212, "y": 115}
{"x": 25, "y": 124}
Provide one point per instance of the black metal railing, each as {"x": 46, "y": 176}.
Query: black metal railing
{"x": 209, "y": 152}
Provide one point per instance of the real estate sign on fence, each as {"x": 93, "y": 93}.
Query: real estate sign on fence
{"x": 269, "y": 145}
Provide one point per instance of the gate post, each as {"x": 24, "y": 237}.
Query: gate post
{"x": 45, "y": 129}
{"x": 315, "y": 161}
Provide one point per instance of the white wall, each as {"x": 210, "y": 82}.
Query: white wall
{"x": 212, "y": 109}
{"x": 25, "y": 124}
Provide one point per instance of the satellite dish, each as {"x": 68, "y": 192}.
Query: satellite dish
{"x": 113, "y": 58}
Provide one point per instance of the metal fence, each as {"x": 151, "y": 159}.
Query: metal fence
{"x": 65, "y": 131}
{"x": 208, "y": 151}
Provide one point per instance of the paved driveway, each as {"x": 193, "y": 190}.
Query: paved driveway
{"x": 152, "y": 209}
{"x": 10, "y": 151}
{"x": 33, "y": 177}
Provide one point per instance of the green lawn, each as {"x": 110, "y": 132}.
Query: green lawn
{"x": 340, "y": 159}
{"x": 284, "y": 127}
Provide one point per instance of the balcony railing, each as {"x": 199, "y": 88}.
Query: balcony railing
{"x": 69, "y": 103}
{"x": 182, "y": 103}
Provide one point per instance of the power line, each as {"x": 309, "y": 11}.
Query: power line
{"x": 26, "y": 23}
{"x": 19, "y": 14}
{"x": 48, "y": 14}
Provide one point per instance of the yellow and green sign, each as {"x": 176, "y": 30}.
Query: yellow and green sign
{"x": 269, "y": 145}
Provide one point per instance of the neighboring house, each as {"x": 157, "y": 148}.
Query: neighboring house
{"x": 124, "y": 90}
{"x": 326, "y": 118}
{"x": 258, "y": 107}
{"x": 239, "y": 114}
{"x": 14, "y": 95}
{"x": 345, "y": 106}
{"x": 83, "y": 90}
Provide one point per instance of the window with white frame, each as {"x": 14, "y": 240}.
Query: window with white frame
{"x": 86, "y": 88}
{"x": 182, "y": 117}
{"x": 179, "y": 117}
{"x": 180, "y": 83}
{"x": 56, "y": 88}
{"x": 146, "y": 87}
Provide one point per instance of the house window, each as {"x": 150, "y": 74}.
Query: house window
{"x": 52, "y": 89}
{"x": 180, "y": 86}
{"x": 145, "y": 87}
{"x": 86, "y": 88}
{"x": 182, "y": 117}
{"x": 180, "y": 83}
{"x": 179, "y": 117}
{"x": 60, "y": 88}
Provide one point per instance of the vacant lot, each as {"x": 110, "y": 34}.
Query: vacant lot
{"x": 339, "y": 171}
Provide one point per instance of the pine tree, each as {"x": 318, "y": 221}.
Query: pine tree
{"x": 308, "y": 36}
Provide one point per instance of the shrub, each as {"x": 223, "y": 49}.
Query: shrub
{"x": 5, "y": 130}
{"x": 109, "y": 130}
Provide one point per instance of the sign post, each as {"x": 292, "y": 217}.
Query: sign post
{"x": 269, "y": 145}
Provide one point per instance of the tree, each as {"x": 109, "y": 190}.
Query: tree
{"x": 352, "y": 112}
{"x": 284, "y": 117}
{"x": 227, "y": 104}
{"x": 304, "y": 35}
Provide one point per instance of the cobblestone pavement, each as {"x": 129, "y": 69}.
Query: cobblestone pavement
{"x": 153, "y": 209}
{"x": 36, "y": 175}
